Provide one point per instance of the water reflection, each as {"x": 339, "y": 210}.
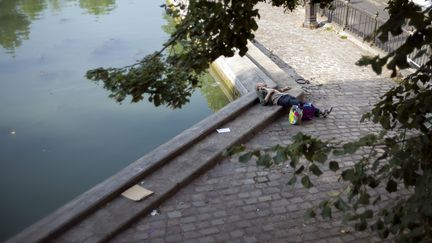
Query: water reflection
{"x": 32, "y": 8}
{"x": 210, "y": 88}
{"x": 98, "y": 7}
{"x": 16, "y": 17}
{"x": 212, "y": 91}
{"x": 14, "y": 25}
{"x": 56, "y": 126}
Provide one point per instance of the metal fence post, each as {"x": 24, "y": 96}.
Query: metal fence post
{"x": 376, "y": 22}
{"x": 310, "y": 15}
{"x": 345, "y": 24}
{"x": 375, "y": 28}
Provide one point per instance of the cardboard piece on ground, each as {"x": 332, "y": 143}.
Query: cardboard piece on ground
{"x": 136, "y": 193}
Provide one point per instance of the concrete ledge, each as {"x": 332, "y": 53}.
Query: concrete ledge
{"x": 242, "y": 73}
{"x": 119, "y": 213}
{"x": 223, "y": 69}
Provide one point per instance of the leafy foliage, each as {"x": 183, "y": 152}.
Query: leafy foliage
{"x": 389, "y": 161}
{"x": 210, "y": 29}
{"x": 406, "y": 15}
{"x": 398, "y": 160}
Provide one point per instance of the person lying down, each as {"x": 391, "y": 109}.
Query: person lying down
{"x": 268, "y": 96}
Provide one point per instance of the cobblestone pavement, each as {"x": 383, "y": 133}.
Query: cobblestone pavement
{"x": 237, "y": 202}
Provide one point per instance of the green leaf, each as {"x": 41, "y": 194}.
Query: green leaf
{"x": 293, "y": 163}
{"x": 348, "y": 174}
{"x": 338, "y": 152}
{"x": 391, "y": 186}
{"x": 264, "y": 160}
{"x": 334, "y": 166}
{"x": 368, "y": 214}
{"x": 234, "y": 150}
{"x": 244, "y": 158}
{"x": 350, "y": 148}
{"x": 361, "y": 226}
{"x": 292, "y": 181}
{"x": 385, "y": 122}
{"x": 389, "y": 217}
{"x": 377, "y": 199}
{"x": 306, "y": 182}
{"x": 364, "y": 198}
{"x": 280, "y": 157}
{"x": 373, "y": 183}
{"x": 310, "y": 213}
{"x": 326, "y": 211}
{"x": 383, "y": 169}
{"x": 368, "y": 139}
{"x": 319, "y": 157}
{"x": 379, "y": 225}
{"x": 341, "y": 205}
{"x": 323, "y": 203}
{"x": 351, "y": 217}
{"x": 315, "y": 170}
{"x": 333, "y": 193}
{"x": 383, "y": 233}
{"x": 364, "y": 61}
{"x": 256, "y": 153}
{"x": 300, "y": 170}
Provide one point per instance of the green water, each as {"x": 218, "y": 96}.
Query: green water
{"x": 59, "y": 133}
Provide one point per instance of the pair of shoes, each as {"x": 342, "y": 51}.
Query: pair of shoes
{"x": 326, "y": 112}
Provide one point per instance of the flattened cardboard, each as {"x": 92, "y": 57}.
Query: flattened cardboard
{"x": 136, "y": 193}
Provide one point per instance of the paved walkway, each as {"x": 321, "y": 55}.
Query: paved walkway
{"x": 236, "y": 202}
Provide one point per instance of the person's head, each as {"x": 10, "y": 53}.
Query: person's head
{"x": 258, "y": 86}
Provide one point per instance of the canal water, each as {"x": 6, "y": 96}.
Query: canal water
{"x": 60, "y": 134}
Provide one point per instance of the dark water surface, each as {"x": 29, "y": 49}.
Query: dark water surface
{"x": 59, "y": 133}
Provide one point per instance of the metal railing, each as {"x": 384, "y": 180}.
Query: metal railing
{"x": 365, "y": 24}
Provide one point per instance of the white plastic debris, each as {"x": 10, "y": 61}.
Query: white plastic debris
{"x": 154, "y": 212}
{"x": 345, "y": 231}
{"x": 223, "y": 130}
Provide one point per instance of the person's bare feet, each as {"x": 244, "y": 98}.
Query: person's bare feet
{"x": 285, "y": 88}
